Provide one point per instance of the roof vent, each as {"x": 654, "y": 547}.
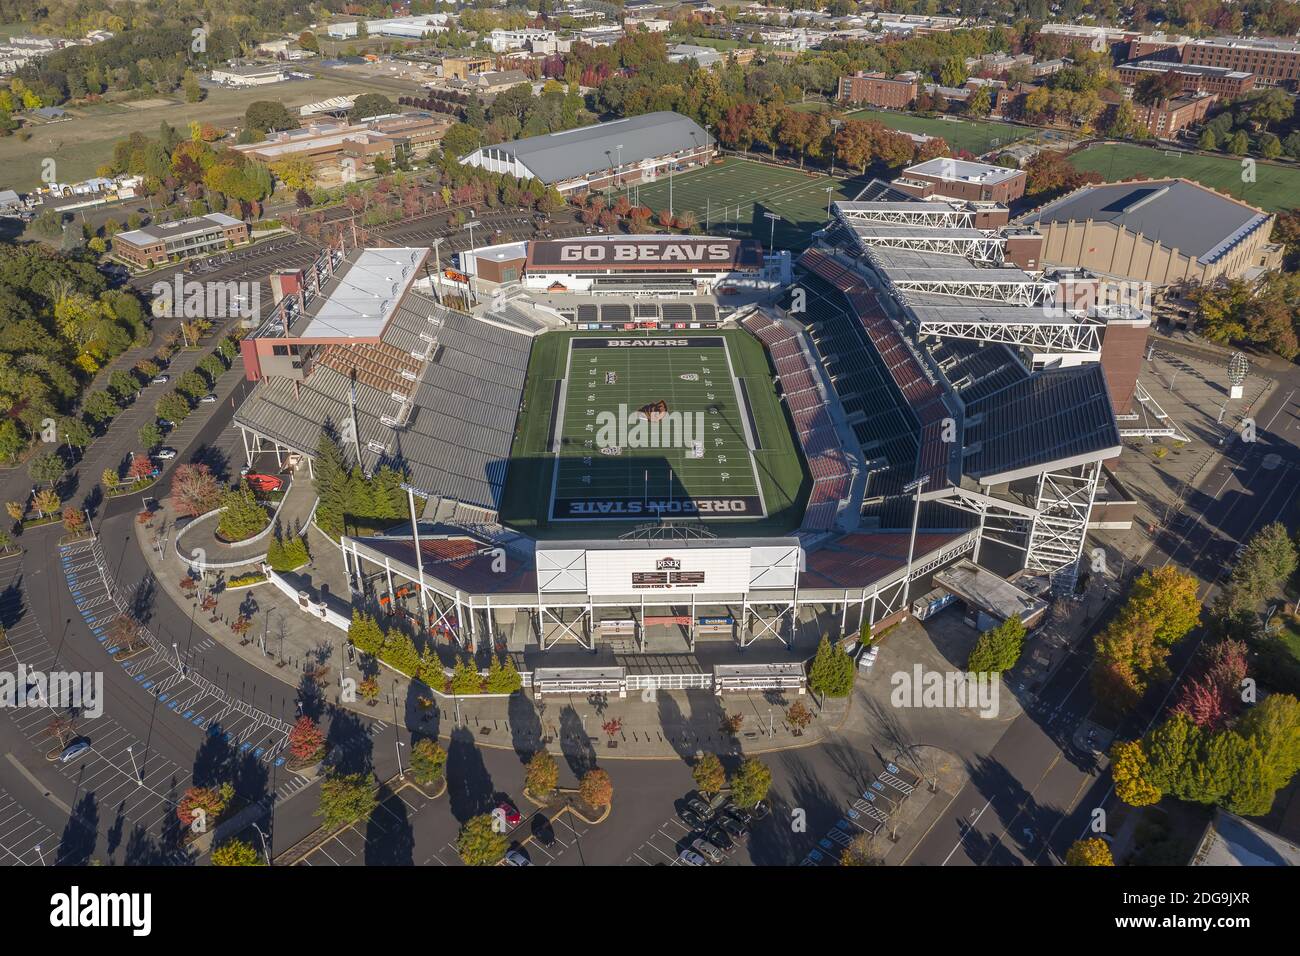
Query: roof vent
{"x": 1143, "y": 200}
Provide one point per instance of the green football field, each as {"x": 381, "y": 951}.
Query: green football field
{"x": 734, "y": 195}
{"x": 653, "y": 425}
{"x": 1274, "y": 188}
{"x": 555, "y": 400}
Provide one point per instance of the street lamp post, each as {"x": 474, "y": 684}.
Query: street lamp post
{"x": 829, "y": 190}
{"x": 139, "y": 780}
{"x": 265, "y": 846}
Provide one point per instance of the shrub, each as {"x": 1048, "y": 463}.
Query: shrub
{"x": 399, "y": 653}
{"x": 542, "y": 775}
{"x": 364, "y": 633}
{"x": 465, "y": 677}
{"x": 346, "y": 798}
{"x": 428, "y": 761}
{"x": 502, "y": 677}
{"x": 237, "y": 853}
{"x": 287, "y": 554}
{"x": 998, "y": 648}
{"x": 831, "y": 671}
{"x": 596, "y": 789}
{"x": 242, "y": 516}
{"x": 480, "y": 843}
{"x": 244, "y": 580}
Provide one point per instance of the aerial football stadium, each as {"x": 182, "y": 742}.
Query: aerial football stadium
{"x": 672, "y": 460}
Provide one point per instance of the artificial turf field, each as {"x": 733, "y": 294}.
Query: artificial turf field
{"x": 1275, "y": 187}
{"x": 735, "y": 193}
{"x": 614, "y": 461}
{"x": 770, "y": 476}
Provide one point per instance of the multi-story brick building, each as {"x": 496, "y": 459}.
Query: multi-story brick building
{"x": 1196, "y": 79}
{"x": 960, "y": 179}
{"x": 877, "y": 89}
{"x": 1274, "y": 61}
{"x": 157, "y": 243}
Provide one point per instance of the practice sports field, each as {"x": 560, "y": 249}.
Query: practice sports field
{"x": 716, "y": 389}
{"x": 653, "y": 424}
{"x": 1275, "y": 187}
{"x": 976, "y": 136}
{"x": 735, "y": 193}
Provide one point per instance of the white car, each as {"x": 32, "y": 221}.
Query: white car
{"x": 165, "y": 454}
{"x": 161, "y": 379}
{"x": 208, "y": 399}
{"x": 691, "y": 858}
{"x": 515, "y": 858}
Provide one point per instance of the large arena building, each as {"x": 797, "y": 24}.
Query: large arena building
{"x": 664, "y": 480}
{"x": 620, "y": 153}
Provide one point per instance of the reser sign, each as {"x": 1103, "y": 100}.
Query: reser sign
{"x": 671, "y": 252}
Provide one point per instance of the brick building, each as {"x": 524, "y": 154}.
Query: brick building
{"x": 157, "y": 243}
{"x": 1274, "y": 61}
{"x": 877, "y": 89}
{"x": 960, "y": 179}
{"x": 1196, "y": 79}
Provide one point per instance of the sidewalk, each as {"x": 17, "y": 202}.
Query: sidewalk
{"x": 286, "y": 643}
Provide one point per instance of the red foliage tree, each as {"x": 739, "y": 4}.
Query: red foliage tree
{"x": 194, "y": 490}
{"x": 306, "y": 740}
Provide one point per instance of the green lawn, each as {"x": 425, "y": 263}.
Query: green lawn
{"x": 645, "y": 375}
{"x": 976, "y": 136}
{"x": 735, "y": 194}
{"x": 1275, "y": 187}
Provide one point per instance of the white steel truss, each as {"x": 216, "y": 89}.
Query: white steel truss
{"x": 1052, "y": 337}
{"x": 575, "y": 630}
{"x": 987, "y": 247}
{"x": 1150, "y": 410}
{"x": 1057, "y": 534}
{"x": 990, "y": 290}
{"x": 924, "y": 214}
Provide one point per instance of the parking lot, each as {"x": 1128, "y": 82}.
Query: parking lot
{"x": 665, "y": 846}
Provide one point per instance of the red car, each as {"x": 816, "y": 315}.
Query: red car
{"x": 264, "y": 482}
{"x": 509, "y": 813}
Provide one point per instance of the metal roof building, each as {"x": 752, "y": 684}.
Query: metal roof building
{"x": 592, "y": 156}
{"x": 1158, "y": 231}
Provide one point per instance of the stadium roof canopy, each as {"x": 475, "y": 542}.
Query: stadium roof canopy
{"x": 1177, "y": 213}
{"x": 558, "y": 157}
{"x": 360, "y": 300}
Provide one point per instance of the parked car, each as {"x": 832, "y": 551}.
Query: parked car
{"x": 509, "y": 813}
{"x": 732, "y": 825}
{"x": 719, "y": 837}
{"x": 74, "y": 749}
{"x": 695, "y": 802}
{"x": 263, "y": 483}
{"x": 517, "y": 858}
{"x": 691, "y": 858}
{"x": 160, "y": 379}
{"x": 165, "y": 453}
{"x": 706, "y": 849}
{"x": 208, "y": 399}
{"x": 166, "y": 424}
{"x": 543, "y": 832}
{"x": 690, "y": 818}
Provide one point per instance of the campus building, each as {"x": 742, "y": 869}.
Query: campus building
{"x": 877, "y": 89}
{"x": 636, "y": 149}
{"x": 1225, "y": 82}
{"x": 1163, "y": 119}
{"x": 330, "y": 146}
{"x": 961, "y": 179}
{"x": 1156, "y": 231}
{"x": 159, "y": 243}
{"x": 1274, "y": 61}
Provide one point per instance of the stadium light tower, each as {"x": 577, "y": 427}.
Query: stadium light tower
{"x": 772, "y": 218}
{"x": 916, "y": 485}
